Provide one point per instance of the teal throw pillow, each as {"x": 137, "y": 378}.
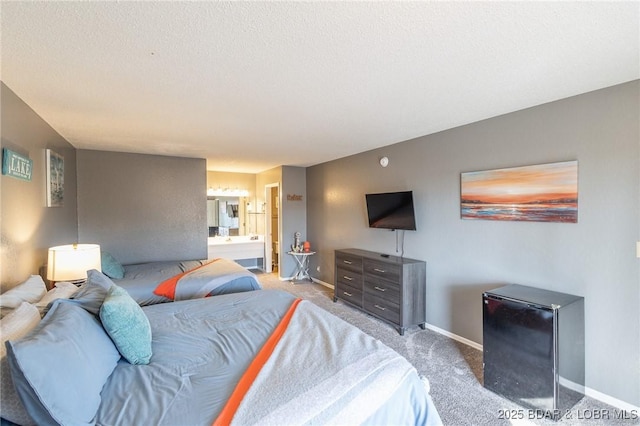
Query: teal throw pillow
{"x": 127, "y": 325}
{"x": 111, "y": 267}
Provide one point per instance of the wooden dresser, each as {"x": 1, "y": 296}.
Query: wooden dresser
{"x": 391, "y": 288}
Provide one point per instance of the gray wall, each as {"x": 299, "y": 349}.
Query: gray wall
{"x": 293, "y": 214}
{"x": 594, "y": 258}
{"x": 29, "y": 228}
{"x": 143, "y": 207}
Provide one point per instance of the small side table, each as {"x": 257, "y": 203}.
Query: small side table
{"x": 302, "y": 267}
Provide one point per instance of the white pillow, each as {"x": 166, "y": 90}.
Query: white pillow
{"x": 18, "y": 323}
{"x": 12, "y": 327}
{"x": 62, "y": 290}
{"x": 30, "y": 291}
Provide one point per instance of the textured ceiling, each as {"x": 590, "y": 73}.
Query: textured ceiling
{"x": 254, "y": 85}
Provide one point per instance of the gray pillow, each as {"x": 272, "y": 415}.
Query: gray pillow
{"x": 93, "y": 292}
{"x": 59, "y": 369}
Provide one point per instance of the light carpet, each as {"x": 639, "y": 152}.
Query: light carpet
{"x": 454, "y": 369}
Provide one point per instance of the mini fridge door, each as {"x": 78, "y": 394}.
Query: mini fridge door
{"x": 519, "y": 351}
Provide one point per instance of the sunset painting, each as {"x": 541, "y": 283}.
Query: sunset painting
{"x": 540, "y": 193}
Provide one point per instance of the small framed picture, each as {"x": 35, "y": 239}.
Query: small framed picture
{"x": 55, "y": 179}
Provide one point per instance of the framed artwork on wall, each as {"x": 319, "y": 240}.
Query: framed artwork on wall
{"x": 16, "y": 165}
{"x": 539, "y": 193}
{"x": 55, "y": 179}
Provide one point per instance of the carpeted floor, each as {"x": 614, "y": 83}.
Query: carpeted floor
{"x": 454, "y": 370}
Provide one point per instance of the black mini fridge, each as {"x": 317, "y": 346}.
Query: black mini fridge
{"x": 533, "y": 344}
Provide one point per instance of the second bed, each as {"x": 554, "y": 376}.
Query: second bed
{"x": 159, "y": 282}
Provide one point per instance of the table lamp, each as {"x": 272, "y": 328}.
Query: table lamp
{"x": 72, "y": 261}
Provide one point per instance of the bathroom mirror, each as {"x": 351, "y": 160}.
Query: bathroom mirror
{"x": 226, "y": 216}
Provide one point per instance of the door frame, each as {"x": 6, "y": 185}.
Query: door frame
{"x": 267, "y": 219}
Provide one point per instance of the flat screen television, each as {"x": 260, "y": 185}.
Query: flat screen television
{"x": 391, "y": 210}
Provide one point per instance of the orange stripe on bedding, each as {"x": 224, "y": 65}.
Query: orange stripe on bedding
{"x": 167, "y": 288}
{"x": 229, "y": 410}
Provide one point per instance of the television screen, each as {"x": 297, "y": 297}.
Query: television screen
{"x": 391, "y": 210}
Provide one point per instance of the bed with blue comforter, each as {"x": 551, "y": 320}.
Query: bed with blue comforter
{"x": 259, "y": 357}
{"x": 197, "y": 278}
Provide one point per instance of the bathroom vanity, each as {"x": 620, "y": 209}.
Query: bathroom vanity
{"x": 236, "y": 248}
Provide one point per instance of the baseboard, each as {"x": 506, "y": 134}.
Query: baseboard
{"x": 455, "y": 337}
{"x": 314, "y": 280}
{"x": 317, "y": 281}
{"x": 630, "y": 408}
{"x": 592, "y": 393}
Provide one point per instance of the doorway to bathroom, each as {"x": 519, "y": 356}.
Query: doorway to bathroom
{"x": 272, "y": 227}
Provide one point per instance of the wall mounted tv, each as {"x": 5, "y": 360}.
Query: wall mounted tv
{"x": 391, "y": 210}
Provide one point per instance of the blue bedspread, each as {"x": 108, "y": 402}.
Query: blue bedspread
{"x": 202, "y": 347}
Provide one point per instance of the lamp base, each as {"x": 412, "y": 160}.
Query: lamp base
{"x": 75, "y": 282}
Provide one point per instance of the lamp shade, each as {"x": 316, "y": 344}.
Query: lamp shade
{"x": 71, "y": 262}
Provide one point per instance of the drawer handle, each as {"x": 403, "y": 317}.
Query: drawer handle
{"x": 379, "y": 270}
{"x": 380, "y": 289}
{"x": 348, "y": 262}
{"x": 347, "y": 294}
{"x": 380, "y": 307}
{"x": 347, "y": 278}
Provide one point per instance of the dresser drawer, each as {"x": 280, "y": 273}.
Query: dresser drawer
{"x": 345, "y": 276}
{"x": 349, "y": 262}
{"x": 383, "y": 289}
{"x": 387, "y": 271}
{"x": 382, "y": 308}
{"x": 349, "y": 294}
